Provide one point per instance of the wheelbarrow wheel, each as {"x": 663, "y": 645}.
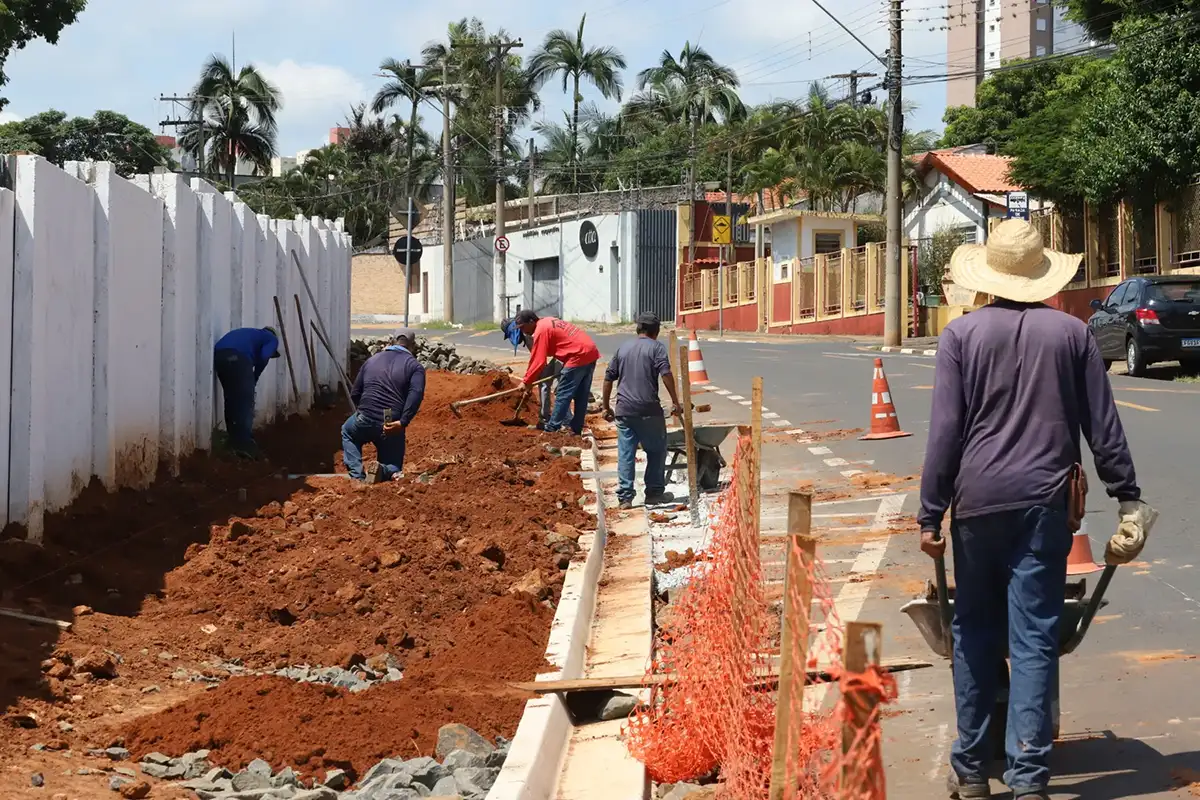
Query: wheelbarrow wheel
{"x": 708, "y": 469}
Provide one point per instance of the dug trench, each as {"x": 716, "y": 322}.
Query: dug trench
{"x": 196, "y": 605}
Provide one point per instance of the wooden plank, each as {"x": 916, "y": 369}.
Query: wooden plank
{"x": 797, "y": 603}
{"x": 690, "y": 442}
{"x": 638, "y": 681}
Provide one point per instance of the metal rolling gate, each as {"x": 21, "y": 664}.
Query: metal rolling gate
{"x": 656, "y": 267}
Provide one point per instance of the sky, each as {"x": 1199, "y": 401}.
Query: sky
{"x": 122, "y": 55}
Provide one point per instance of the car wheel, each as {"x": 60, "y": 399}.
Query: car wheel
{"x": 1190, "y": 366}
{"x": 1135, "y": 362}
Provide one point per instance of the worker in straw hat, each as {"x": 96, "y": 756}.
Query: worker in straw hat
{"x": 1016, "y": 383}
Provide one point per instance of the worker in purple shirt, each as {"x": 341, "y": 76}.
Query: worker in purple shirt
{"x": 1017, "y": 382}
{"x": 239, "y": 359}
{"x": 387, "y": 393}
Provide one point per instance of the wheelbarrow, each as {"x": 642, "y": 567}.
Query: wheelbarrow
{"x": 709, "y": 462}
{"x": 933, "y": 612}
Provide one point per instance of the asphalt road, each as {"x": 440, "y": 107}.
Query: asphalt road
{"x": 1131, "y": 712}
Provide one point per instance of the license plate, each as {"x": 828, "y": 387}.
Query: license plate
{"x": 1191, "y": 342}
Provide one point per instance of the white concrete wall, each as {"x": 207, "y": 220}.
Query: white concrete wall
{"x": 118, "y": 290}
{"x": 785, "y": 244}
{"x": 946, "y": 206}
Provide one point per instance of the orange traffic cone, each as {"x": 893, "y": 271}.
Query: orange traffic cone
{"x": 1080, "y": 562}
{"x": 697, "y": 374}
{"x": 884, "y": 422}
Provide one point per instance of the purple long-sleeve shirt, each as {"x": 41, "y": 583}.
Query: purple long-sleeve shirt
{"x": 391, "y": 380}
{"x": 1015, "y": 385}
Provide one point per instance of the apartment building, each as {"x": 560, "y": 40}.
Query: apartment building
{"x": 983, "y": 34}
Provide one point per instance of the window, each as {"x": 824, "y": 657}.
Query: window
{"x": 827, "y": 242}
{"x": 1117, "y": 295}
{"x": 783, "y": 270}
{"x": 1041, "y": 24}
{"x": 1040, "y": 51}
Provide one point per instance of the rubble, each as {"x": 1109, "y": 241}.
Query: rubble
{"x": 467, "y": 771}
{"x": 442, "y": 356}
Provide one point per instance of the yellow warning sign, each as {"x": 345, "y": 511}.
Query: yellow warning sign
{"x": 721, "y": 230}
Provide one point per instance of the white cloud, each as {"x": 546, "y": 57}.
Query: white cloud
{"x": 8, "y": 116}
{"x": 316, "y": 97}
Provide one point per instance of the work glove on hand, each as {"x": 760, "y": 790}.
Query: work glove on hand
{"x": 1135, "y": 521}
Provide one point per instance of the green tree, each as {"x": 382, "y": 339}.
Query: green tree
{"x": 1005, "y": 98}
{"x": 565, "y": 54}
{"x": 106, "y": 136}
{"x": 22, "y": 21}
{"x": 236, "y": 116}
{"x": 409, "y": 83}
{"x": 703, "y": 90}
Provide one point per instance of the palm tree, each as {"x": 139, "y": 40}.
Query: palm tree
{"x": 565, "y": 54}
{"x": 235, "y": 116}
{"x": 407, "y": 83}
{"x": 708, "y": 90}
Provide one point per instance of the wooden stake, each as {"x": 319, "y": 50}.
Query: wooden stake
{"x": 673, "y": 353}
{"x": 756, "y": 441}
{"x": 797, "y": 604}
{"x": 863, "y": 643}
{"x": 690, "y": 441}
{"x": 345, "y": 381}
{"x": 308, "y": 353}
{"x": 286, "y": 350}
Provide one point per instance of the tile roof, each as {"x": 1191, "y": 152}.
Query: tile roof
{"x": 975, "y": 172}
{"x": 773, "y": 199}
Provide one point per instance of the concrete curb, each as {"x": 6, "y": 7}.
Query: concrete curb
{"x": 908, "y": 351}
{"x": 535, "y": 758}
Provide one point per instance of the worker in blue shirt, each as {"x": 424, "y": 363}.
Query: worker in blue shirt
{"x": 239, "y": 358}
{"x": 387, "y": 393}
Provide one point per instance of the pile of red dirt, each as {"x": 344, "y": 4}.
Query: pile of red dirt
{"x": 312, "y": 728}
{"x": 189, "y": 576}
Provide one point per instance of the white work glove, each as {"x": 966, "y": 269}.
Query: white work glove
{"x": 1135, "y": 521}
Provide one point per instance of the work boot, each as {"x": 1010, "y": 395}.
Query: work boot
{"x": 373, "y": 472}
{"x": 625, "y": 505}
{"x": 967, "y": 790}
{"x": 1031, "y": 795}
{"x": 659, "y": 499}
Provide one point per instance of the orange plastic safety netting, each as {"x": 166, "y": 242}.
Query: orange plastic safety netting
{"x": 722, "y": 650}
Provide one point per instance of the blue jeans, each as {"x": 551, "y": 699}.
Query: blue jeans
{"x": 358, "y": 431}
{"x": 236, "y": 373}
{"x": 651, "y": 434}
{"x": 1010, "y": 570}
{"x": 574, "y": 387}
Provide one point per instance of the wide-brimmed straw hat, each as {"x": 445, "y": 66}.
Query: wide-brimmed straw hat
{"x": 1014, "y": 264}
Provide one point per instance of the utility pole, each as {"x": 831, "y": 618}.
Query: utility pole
{"x": 501, "y": 274}
{"x": 447, "y": 199}
{"x": 408, "y": 203}
{"x": 853, "y": 77}
{"x": 191, "y": 100}
{"x": 892, "y": 326}
{"x": 721, "y": 248}
{"x": 532, "y": 195}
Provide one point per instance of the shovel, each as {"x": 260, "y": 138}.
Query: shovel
{"x": 516, "y": 417}
{"x": 457, "y": 406}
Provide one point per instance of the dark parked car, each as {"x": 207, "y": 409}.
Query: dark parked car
{"x": 1150, "y": 319}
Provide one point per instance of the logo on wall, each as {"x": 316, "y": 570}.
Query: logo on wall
{"x": 589, "y": 239}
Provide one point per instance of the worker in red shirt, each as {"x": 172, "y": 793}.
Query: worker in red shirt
{"x": 553, "y": 338}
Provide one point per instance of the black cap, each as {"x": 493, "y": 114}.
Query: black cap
{"x": 648, "y": 319}
{"x": 526, "y": 316}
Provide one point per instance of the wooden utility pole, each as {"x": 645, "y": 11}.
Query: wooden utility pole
{"x": 853, "y": 77}
{"x": 447, "y": 198}
{"x": 191, "y": 100}
{"x": 892, "y": 332}
{"x": 532, "y": 192}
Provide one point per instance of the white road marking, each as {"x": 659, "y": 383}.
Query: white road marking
{"x": 850, "y": 473}
{"x": 780, "y": 423}
{"x": 736, "y": 397}
{"x": 723, "y": 392}
{"x": 943, "y": 745}
{"x": 796, "y": 431}
{"x": 820, "y": 450}
{"x": 771, "y": 415}
{"x": 855, "y": 500}
{"x": 836, "y": 462}
{"x": 745, "y": 402}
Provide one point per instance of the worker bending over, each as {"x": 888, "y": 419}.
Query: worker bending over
{"x": 387, "y": 392}
{"x": 553, "y": 369}
{"x": 239, "y": 359}
{"x": 1016, "y": 384}
{"x": 637, "y": 368}
{"x": 553, "y": 338}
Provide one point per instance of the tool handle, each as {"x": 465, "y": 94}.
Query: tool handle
{"x": 943, "y": 593}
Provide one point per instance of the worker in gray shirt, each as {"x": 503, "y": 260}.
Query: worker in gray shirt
{"x": 1017, "y": 382}
{"x": 636, "y": 368}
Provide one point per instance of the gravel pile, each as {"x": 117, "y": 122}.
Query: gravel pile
{"x": 466, "y": 767}
{"x": 442, "y": 356}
